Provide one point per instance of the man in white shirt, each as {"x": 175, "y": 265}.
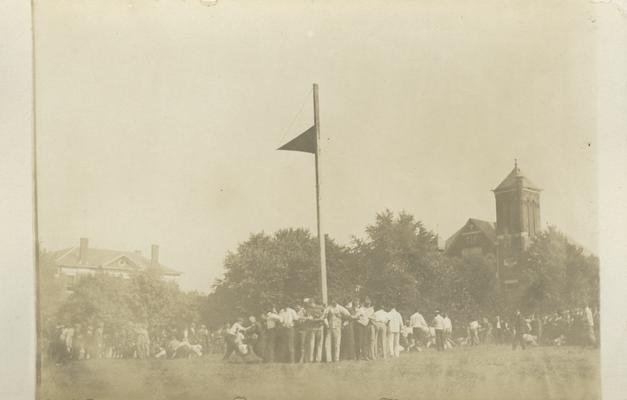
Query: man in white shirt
{"x": 288, "y": 318}
{"x": 333, "y": 314}
{"x": 314, "y": 324}
{"x": 233, "y": 336}
{"x": 359, "y": 331}
{"x": 395, "y": 324}
{"x": 438, "y": 326}
{"x": 419, "y": 327}
{"x": 272, "y": 320}
{"x": 381, "y": 319}
{"x": 473, "y": 330}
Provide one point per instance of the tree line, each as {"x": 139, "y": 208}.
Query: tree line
{"x": 397, "y": 262}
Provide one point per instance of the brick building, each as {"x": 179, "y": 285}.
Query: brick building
{"x": 517, "y": 222}
{"x": 83, "y": 260}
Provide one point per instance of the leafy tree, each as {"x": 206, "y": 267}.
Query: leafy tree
{"x": 100, "y": 297}
{"x": 474, "y": 288}
{"x": 400, "y": 258}
{"x": 556, "y": 274}
{"x": 397, "y": 263}
{"x": 278, "y": 269}
{"x": 143, "y": 298}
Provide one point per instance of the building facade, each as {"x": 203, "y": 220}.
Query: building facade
{"x": 517, "y": 222}
{"x": 82, "y": 260}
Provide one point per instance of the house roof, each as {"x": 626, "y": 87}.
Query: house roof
{"x": 486, "y": 227}
{"x": 511, "y": 180}
{"x": 105, "y": 258}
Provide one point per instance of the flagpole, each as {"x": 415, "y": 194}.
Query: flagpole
{"x": 321, "y": 238}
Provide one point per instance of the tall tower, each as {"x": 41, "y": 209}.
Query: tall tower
{"x": 517, "y": 213}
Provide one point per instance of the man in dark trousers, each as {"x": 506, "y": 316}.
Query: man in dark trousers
{"x": 520, "y": 328}
{"x": 438, "y": 326}
{"x": 272, "y": 320}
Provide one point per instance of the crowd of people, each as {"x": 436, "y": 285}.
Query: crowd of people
{"x": 95, "y": 341}
{"x": 312, "y": 332}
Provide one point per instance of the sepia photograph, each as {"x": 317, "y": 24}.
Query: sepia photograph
{"x": 238, "y": 199}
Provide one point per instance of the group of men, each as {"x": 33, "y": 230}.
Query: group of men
{"x": 83, "y": 342}
{"x": 312, "y": 332}
{"x": 579, "y": 326}
{"x": 94, "y": 341}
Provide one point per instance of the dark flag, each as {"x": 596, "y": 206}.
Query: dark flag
{"x": 305, "y": 142}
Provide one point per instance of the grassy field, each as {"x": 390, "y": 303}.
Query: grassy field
{"x": 494, "y": 372}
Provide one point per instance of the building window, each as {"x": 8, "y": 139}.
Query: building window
{"x": 506, "y": 218}
{"x": 472, "y": 251}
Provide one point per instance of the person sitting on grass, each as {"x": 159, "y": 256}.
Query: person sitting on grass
{"x": 473, "y": 332}
{"x": 406, "y": 339}
{"x": 529, "y": 339}
{"x": 420, "y": 330}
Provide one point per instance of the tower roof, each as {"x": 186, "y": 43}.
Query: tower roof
{"x": 511, "y": 181}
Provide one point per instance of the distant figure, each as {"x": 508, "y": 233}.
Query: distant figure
{"x": 203, "y": 338}
{"x": 381, "y": 319}
{"x": 314, "y": 325}
{"x": 486, "y": 331}
{"x": 99, "y": 341}
{"x": 78, "y": 344}
{"x": 596, "y": 319}
{"x": 287, "y": 333}
{"x": 333, "y": 315}
{"x": 395, "y": 325}
{"x": 589, "y": 319}
{"x": 530, "y": 340}
{"x": 272, "y": 319}
{"x": 498, "y": 330}
{"x": 520, "y": 328}
{"x": 438, "y": 326}
{"x": 367, "y": 318}
{"x": 419, "y": 328}
{"x": 347, "y": 348}
{"x": 406, "y": 340}
{"x": 233, "y": 339}
{"x": 448, "y": 332}
{"x": 473, "y": 332}
{"x": 143, "y": 342}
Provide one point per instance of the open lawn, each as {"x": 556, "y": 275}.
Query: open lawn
{"x": 486, "y": 372}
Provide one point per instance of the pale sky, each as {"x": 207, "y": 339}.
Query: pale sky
{"x": 158, "y": 121}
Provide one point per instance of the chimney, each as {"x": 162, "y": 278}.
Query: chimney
{"x": 154, "y": 255}
{"x": 82, "y": 255}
